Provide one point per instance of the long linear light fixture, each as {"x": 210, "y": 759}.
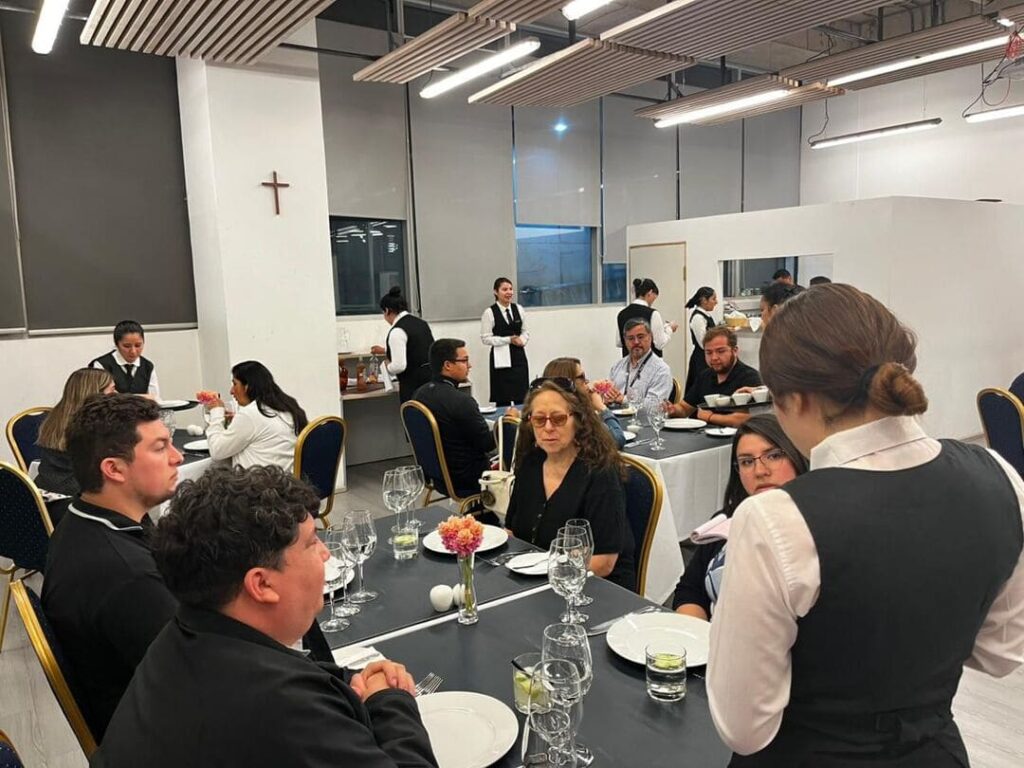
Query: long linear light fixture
{"x": 877, "y": 133}
{"x": 896, "y": 66}
{"x": 491, "y": 63}
{"x": 715, "y": 110}
{"x": 48, "y": 24}
{"x": 995, "y": 114}
{"x": 579, "y": 8}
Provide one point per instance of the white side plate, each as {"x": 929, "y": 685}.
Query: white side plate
{"x": 494, "y": 537}
{"x": 467, "y": 730}
{"x": 684, "y": 424}
{"x": 720, "y": 431}
{"x": 630, "y": 636}
{"x": 529, "y": 564}
{"x": 628, "y": 435}
{"x": 197, "y": 445}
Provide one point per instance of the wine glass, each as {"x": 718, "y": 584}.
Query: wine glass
{"x": 569, "y": 642}
{"x": 555, "y": 711}
{"x": 417, "y": 482}
{"x": 348, "y": 563}
{"x": 579, "y": 526}
{"x": 334, "y": 577}
{"x": 395, "y": 494}
{"x": 360, "y": 537}
{"x": 567, "y": 571}
{"x": 167, "y": 417}
{"x": 656, "y": 415}
{"x": 634, "y": 401}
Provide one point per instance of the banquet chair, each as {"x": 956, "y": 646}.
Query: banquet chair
{"x": 22, "y": 431}
{"x": 509, "y": 425}
{"x": 425, "y": 438}
{"x": 644, "y": 494}
{"x": 8, "y": 754}
{"x": 25, "y": 530}
{"x": 318, "y": 452}
{"x": 47, "y": 649}
{"x": 1018, "y": 387}
{"x": 1002, "y": 417}
{"x": 676, "y": 395}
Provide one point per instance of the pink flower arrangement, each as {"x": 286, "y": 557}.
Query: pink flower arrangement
{"x": 602, "y": 387}
{"x": 461, "y": 535}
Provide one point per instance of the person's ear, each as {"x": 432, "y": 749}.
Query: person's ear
{"x": 258, "y": 584}
{"x": 114, "y": 469}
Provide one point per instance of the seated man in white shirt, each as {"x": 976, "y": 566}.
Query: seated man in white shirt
{"x": 641, "y": 369}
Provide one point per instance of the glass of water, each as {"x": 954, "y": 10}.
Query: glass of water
{"x": 567, "y": 572}
{"x": 666, "y": 671}
{"x": 656, "y": 416}
{"x": 634, "y": 401}
{"x": 580, "y": 527}
{"x": 360, "y": 538}
{"x": 334, "y": 577}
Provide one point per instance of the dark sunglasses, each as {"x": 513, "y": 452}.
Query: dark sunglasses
{"x": 559, "y": 381}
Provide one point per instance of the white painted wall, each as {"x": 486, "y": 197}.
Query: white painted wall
{"x": 907, "y": 252}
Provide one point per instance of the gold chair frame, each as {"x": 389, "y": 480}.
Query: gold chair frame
{"x": 5, "y": 739}
{"x": 652, "y": 520}
{"x": 497, "y": 428}
{"x": 11, "y": 570}
{"x": 1006, "y": 395}
{"x": 53, "y": 672}
{"x": 464, "y": 502}
{"x": 324, "y": 514}
{"x": 677, "y": 390}
{"x": 18, "y": 457}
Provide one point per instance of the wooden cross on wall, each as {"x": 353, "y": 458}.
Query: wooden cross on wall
{"x": 276, "y": 185}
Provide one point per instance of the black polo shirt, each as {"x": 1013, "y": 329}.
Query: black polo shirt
{"x": 707, "y": 383}
{"x": 106, "y": 602}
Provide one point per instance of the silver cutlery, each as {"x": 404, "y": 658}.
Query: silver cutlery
{"x": 429, "y": 684}
{"x": 502, "y": 558}
{"x": 604, "y": 626}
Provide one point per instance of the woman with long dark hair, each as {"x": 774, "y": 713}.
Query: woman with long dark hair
{"x": 702, "y": 303}
{"x": 646, "y": 292}
{"x": 503, "y": 329}
{"x": 264, "y": 430}
{"x": 854, "y": 596}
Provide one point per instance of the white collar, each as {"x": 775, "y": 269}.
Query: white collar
{"x": 103, "y": 521}
{"x": 641, "y": 302}
{"x": 856, "y": 443}
{"x": 401, "y": 314}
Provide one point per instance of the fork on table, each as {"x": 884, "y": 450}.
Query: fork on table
{"x": 429, "y": 684}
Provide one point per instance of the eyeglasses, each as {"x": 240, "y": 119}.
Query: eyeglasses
{"x": 771, "y": 460}
{"x": 559, "y": 381}
{"x": 637, "y": 337}
{"x": 459, "y": 360}
{"x": 539, "y": 421}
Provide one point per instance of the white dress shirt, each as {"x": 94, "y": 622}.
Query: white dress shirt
{"x": 772, "y": 578}
{"x": 253, "y": 439}
{"x": 502, "y": 357}
{"x": 660, "y": 330}
{"x": 154, "y": 384}
{"x": 699, "y": 326}
{"x": 397, "y": 341}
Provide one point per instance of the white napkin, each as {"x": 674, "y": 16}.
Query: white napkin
{"x": 503, "y": 356}
{"x": 356, "y": 656}
{"x": 715, "y": 529}
{"x": 385, "y": 376}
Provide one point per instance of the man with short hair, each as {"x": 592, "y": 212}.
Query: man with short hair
{"x": 819, "y": 280}
{"x": 102, "y": 593}
{"x": 642, "y": 369}
{"x": 465, "y": 436}
{"x": 724, "y": 375}
{"x": 221, "y": 685}
{"x": 783, "y": 276}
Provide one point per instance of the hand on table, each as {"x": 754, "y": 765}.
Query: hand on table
{"x": 379, "y": 676}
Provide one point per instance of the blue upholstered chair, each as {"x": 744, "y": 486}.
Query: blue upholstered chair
{"x": 425, "y": 439}
{"x": 8, "y": 754}
{"x": 644, "y": 494}
{"x": 1002, "y": 416}
{"x": 509, "y": 425}
{"x": 25, "y": 530}
{"x": 47, "y": 649}
{"x": 318, "y": 453}
{"x": 1018, "y": 387}
{"x": 22, "y": 431}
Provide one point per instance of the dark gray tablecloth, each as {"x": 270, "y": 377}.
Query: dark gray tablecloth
{"x": 181, "y": 436}
{"x": 679, "y": 442}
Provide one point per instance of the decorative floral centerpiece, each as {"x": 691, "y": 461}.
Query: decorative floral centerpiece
{"x": 462, "y": 536}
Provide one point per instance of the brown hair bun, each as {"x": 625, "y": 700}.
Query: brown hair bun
{"x": 893, "y": 390}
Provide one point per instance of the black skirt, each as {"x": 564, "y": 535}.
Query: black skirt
{"x": 509, "y": 385}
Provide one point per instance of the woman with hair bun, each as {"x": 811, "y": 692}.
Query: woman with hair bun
{"x": 646, "y": 292}
{"x": 702, "y": 303}
{"x": 854, "y": 595}
{"x": 503, "y": 329}
{"x": 407, "y": 347}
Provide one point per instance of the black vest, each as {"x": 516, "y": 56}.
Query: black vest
{"x": 503, "y": 327}
{"x": 139, "y": 382}
{"x": 699, "y": 343}
{"x": 417, "y": 355}
{"x": 628, "y": 313}
{"x": 911, "y": 561}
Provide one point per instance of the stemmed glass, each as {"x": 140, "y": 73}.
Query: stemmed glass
{"x": 360, "y": 537}
{"x": 395, "y": 493}
{"x": 579, "y": 526}
{"x": 568, "y": 642}
{"x": 334, "y": 577}
{"x": 567, "y": 571}
{"x": 634, "y": 401}
{"x": 555, "y": 710}
{"x": 655, "y": 408}
{"x": 347, "y": 561}
{"x": 416, "y": 482}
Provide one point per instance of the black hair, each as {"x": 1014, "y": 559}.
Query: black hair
{"x": 704, "y": 292}
{"x": 394, "y": 301}
{"x": 500, "y": 281}
{"x": 225, "y": 523}
{"x": 779, "y": 293}
{"x": 261, "y": 388}
{"x": 125, "y": 327}
{"x": 767, "y": 426}
{"x": 819, "y": 280}
{"x": 443, "y": 351}
{"x": 642, "y": 287}
{"x": 780, "y": 273}
{"x": 106, "y": 426}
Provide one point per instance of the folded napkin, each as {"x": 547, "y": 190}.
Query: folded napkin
{"x": 715, "y": 529}
{"x": 356, "y": 656}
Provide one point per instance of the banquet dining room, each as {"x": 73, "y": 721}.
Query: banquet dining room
{"x": 280, "y": 223}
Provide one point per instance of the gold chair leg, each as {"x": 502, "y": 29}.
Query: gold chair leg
{"x": 7, "y": 609}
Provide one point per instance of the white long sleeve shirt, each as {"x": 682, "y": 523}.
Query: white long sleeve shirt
{"x": 253, "y": 439}
{"x": 487, "y": 329}
{"x": 397, "y": 341}
{"x": 699, "y": 326}
{"x": 154, "y": 384}
{"x": 661, "y": 331}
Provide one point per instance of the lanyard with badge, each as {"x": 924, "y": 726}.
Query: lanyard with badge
{"x": 631, "y": 380}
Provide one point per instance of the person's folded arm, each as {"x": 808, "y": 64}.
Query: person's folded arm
{"x": 228, "y": 441}
{"x": 614, "y": 427}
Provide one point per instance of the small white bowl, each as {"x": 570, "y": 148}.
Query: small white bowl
{"x": 741, "y": 398}
{"x": 724, "y": 400}
{"x": 760, "y": 395}
{"x": 711, "y": 401}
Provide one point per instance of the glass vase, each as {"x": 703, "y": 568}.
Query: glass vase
{"x": 467, "y": 611}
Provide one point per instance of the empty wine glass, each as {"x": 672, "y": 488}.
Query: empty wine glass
{"x": 417, "y": 482}
{"x": 655, "y": 408}
{"x": 360, "y": 537}
{"x": 334, "y": 577}
{"x": 395, "y": 493}
{"x": 579, "y": 526}
{"x": 348, "y": 565}
{"x": 567, "y": 571}
{"x": 569, "y": 642}
{"x": 555, "y": 711}
{"x": 634, "y": 401}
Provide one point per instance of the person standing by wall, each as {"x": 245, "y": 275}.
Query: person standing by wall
{"x": 503, "y": 329}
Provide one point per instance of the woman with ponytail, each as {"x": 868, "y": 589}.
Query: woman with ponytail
{"x": 646, "y": 292}
{"x": 407, "y": 348}
{"x": 702, "y": 303}
{"x": 503, "y": 329}
{"x": 854, "y": 595}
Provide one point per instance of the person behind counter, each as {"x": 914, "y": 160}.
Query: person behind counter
{"x": 407, "y": 346}
{"x": 774, "y": 296}
{"x": 503, "y": 329}
{"x": 646, "y": 291}
{"x": 703, "y": 302}
{"x": 132, "y": 373}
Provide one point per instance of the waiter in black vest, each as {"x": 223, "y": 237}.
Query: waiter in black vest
{"x": 646, "y": 292}
{"x": 853, "y": 597}
{"x": 132, "y": 373}
{"x": 503, "y": 329}
{"x": 407, "y": 346}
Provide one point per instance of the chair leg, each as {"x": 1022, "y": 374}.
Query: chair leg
{"x": 7, "y": 609}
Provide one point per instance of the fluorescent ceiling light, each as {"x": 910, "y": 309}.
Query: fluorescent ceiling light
{"x": 491, "y": 63}
{"x": 560, "y": 127}
{"x": 877, "y": 133}
{"x": 928, "y": 58}
{"x": 50, "y": 17}
{"x": 736, "y": 105}
{"x": 579, "y": 8}
{"x": 995, "y": 114}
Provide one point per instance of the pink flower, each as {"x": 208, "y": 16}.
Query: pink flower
{"x": 461, "y": 535}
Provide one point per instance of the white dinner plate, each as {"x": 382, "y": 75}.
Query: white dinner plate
{"x": 467, "y": 730}
{"x": 720, "y": 431}
{"x": 630, "y": 636}
{"x": 197, "y": 445}
{"x": 684, "y": 424}
{"x": 529, "y": 564}
{"x": 628, "y": 435}
{"x": 488, "y": 408}
{"x": 494, "y": 537}
{"x": 331, "y": 568}
{"x": 171, "y": 403}
{"x": 624, "y": 411}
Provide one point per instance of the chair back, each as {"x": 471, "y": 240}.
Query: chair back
{"x": 509, "y": 426}
{"x": 25, "y": 525}
{"x": 22, "y": 432}
{"x": 8, "y": 754}
{"x": 1017, "y": 388}
{"x": 676, "y": 395}
{"x": 425, "y": 438}
{"x": 644, "y": 494}
{"x": 1002, "y": 416}
{"x": 318, "y": 452}
{"x": 47, "y": 649}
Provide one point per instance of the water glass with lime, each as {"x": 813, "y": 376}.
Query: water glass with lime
{"x": 666, "y": 671}
{"x": 522, "y": 670}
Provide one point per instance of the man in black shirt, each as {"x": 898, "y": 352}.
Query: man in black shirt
{"x": 465, "y": 436}
{"x": 221, "y": 685}
{"x": 724, "y": 375}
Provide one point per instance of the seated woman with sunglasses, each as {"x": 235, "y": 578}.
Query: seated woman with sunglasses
{"x": 571, "y": 368}
{"x": 762, "y": 458}
{"x": 567, "y": 466}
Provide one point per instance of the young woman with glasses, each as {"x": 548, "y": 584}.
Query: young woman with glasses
{"x": 567, "y": 466}
{"x": 763, "y": 458}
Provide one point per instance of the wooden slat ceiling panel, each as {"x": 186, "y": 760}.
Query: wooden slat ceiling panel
{"x": 803, "y": 95}
{"x": 744, "y": 88}
{"x": 216, "y": 23}
{"x": 519, "y": 11}
{"x": 285, "y": 25}
{"x": 579, "y": 73}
